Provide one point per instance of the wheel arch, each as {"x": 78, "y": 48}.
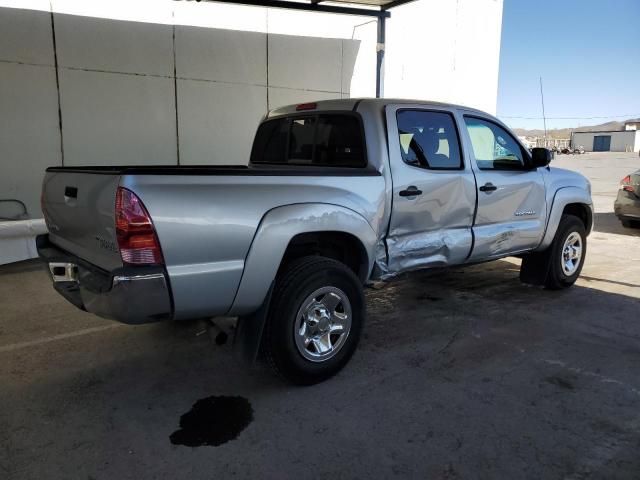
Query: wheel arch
{"x": 582, "y": 211}
{"x": 289, "y": 232}
{"x": 568, "y": 200}
{"x": 342, "y": 246}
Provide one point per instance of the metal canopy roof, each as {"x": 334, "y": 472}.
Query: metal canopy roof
{"x": 370, "y": 8}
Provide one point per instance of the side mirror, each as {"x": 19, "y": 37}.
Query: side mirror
{"x": 540, "y": 157}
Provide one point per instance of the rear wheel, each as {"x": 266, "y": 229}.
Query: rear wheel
{"x": 315, "y": 320}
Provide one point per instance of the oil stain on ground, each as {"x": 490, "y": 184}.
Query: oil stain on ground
{"x": 213, "y": 421}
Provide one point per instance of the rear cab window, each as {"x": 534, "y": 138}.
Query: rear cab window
{"x": 323, "y": 139}
{"x": 429, "y": 139}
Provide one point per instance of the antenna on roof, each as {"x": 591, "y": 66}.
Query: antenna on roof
{"x": 544, "y": 119}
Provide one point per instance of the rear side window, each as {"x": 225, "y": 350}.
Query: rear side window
{"x": 272, "y": 139}
{"x": 429, "y": 139}
{"x": 332, "y": 140}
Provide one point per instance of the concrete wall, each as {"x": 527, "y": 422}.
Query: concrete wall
{"x": 445, "y": 50}
{"x": 29, "y": 128}
{"x": 622, "y": 141}
{"x": 120, "y": 101}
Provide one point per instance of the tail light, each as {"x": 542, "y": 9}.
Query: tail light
{"x": 625, "y": 184}
{"x": 136, "y": 235}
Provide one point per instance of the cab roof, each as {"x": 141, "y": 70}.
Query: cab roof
{"x": 351, "y": 103}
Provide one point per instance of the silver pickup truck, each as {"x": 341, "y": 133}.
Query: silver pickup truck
{"x": 336, "y": 194}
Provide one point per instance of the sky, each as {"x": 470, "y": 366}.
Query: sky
{"x": 587, "y": 53}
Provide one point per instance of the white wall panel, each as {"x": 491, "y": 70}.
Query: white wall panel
{"x": 314, "y": 24}
{"x": 149, "y": 11}
{"x": 350, "y": 50}
{"x": 25, "y": 36}
{"x": 113, "y": 45}
{"x": 222, "y": 55}
{"x": 477, "y": 53}
{"x": 305, "y": 63}
{"x": 29, "y": 134}
{"x": 359, "y": 60}
{"x": 217, "y": 121}
{"x": 445, "y": 51}
{"x": 420, "y": 52}
{"x": 116, "y": 119}
{"x": 220, "y": 15}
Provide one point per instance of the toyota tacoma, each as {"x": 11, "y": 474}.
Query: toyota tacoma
{"x": 336, "y": 194}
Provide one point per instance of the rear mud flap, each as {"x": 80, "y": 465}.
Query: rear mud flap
{"x": 248, "y": 336}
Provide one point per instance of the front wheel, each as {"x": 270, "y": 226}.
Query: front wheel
{"x": 561, "y": 263}
{"x": 315, "y": 320}
{"x": 568, "y": 251}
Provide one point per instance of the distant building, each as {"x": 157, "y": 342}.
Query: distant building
{"x": 532, "y": 142}
{"x": 627, "y": 140}
{"x": 528, "y": 142}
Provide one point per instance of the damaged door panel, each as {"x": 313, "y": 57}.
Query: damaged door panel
{"x": 512, "y": 210}
{"x": 433, "y": 191}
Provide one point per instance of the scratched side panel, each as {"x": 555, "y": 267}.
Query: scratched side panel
{"x": 428, "y": 249}
{"x": 206, "y": 224}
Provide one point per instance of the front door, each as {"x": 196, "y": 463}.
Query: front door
{"x": 433, "y": 190}
{"x": 511, "y": 214}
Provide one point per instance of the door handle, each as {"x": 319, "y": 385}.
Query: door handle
{"x": 71, "y": 192}
{"x": 488, "y": 187}
{"x": 410, "y": 192}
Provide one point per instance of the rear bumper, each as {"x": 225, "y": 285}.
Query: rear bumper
{"x": 130, "y": 295}
{"x": 627, "y": 205}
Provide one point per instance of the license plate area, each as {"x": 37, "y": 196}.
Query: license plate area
{"x": 63, "y": 271}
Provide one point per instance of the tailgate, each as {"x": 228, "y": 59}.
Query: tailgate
{"x": 79, "y": 208}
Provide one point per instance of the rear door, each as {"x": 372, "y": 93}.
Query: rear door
{"x": 433, "y": 190}
{"x": 511, "y": 213}
{"x": 79, "y": 209}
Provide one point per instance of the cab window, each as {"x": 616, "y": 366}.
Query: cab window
{"x": 429, "y": 140}
{"x": 493, "y": 147}
{"x": 330, "y": 140}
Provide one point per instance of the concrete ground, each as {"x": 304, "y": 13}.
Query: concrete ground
{"x": 460, "y": 374}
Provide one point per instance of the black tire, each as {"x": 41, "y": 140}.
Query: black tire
{"x": 556, "y": 277}
{"x": 627, "y": 223}
{"x": 297, "y": 282}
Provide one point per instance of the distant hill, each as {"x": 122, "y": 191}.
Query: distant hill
{"x": 566, "y": 132}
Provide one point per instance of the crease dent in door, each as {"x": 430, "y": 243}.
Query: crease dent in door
{"x": 420, "y": 250}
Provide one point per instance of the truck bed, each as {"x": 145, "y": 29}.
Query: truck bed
{"x": 218, "y": 170}
{"x": 206, "y": 217}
